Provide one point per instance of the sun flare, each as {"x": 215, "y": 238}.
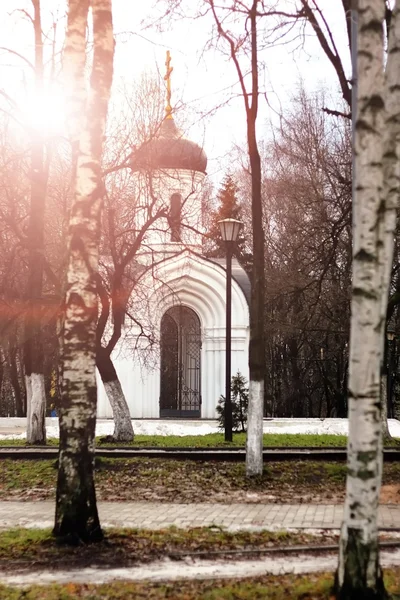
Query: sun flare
{"x": 44, "y": 112}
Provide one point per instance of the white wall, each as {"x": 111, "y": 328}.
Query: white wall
{"x": 200, "y": 285}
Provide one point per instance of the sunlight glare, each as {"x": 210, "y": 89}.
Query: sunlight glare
{"x": 45, "y": 113}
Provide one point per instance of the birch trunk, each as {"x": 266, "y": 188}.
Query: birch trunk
{"x": 76, "y": 510}
{"x": 254, "y": 440}
{"x": 33, "y": 351}
{"x": 123, "y": 430}
{"x": 359, "y": 573}
{"x": 36, "y": 408}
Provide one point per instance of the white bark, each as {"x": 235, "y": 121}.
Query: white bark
{"x": 28, "y": 387}
{"x": 254, "y": 440}
{"x": 377, "y": 186}
{"x": 76, "y": 511}
{"x": 391, "y": 176}
{"x": 36, "y": 408}
{"x": 123, "y": 430}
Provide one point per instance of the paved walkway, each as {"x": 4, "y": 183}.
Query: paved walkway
{"x": 156, "y": 515}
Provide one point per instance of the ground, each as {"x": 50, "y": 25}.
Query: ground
{"x": 161, "y": 480}
{"x": 301, "y": 587}
{"x": 107, "y": 571}
{"x": 35, "y": 549}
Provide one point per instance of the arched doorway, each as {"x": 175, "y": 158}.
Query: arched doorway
{"x": 180, "y": 393}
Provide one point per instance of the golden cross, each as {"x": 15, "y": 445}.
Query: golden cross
{"x": 167, "y": 78}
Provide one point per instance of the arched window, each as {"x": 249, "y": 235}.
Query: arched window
{"x": 175, "y": 217}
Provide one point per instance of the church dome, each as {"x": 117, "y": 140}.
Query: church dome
{"x": 169, "y": 150}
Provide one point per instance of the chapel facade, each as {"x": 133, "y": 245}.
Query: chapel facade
{"x": 171, "y": 359}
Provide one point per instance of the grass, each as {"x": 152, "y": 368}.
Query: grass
{"x": 27, "y": 474}
{"x": 167, "y": 480}
{"x": 213, "y": 440}
{"x": 37, "y": 547}
{"x": 216, "y": 440}
{"x": 295, "y": 587}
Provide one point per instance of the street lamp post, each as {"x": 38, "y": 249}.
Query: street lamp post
{"x": 229, "y": 232}
{"x": 390, "y": 336}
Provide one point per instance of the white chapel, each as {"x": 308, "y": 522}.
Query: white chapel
{"x": 180, "y": 294}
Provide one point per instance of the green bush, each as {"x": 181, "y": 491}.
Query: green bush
{"x": 240, "y": 403}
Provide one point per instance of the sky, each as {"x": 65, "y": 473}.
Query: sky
{"x": 203, "y": 77}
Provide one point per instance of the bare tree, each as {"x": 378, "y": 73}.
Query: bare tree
{"x": 307, "y": 225}
{"x": 124, "y": 239}
{"x": 250, "y": 14}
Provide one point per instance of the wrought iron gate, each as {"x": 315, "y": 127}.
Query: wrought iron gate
{"x": 180, "y": 394}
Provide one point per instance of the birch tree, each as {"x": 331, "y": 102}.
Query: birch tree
{"x": 76, "y": 511}
{"x": 33, "y": 347}
{"x": 376, "y": 179}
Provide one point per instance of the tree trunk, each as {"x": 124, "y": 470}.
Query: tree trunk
{"x": 254, "y": 443}
{"x": 123, "y": 430}
{"x": 359, "y": 575}
{"x": 76, "y": 510}
{"x": 2, "y": 363}
{"x": 16, "y": 379}
{"x": 384, "y": 403}
{"x": 15, "y": 383}
{"x": 254, "y": 440}
{"x": 33, "y": 351}
{"x": 384, "y": 383}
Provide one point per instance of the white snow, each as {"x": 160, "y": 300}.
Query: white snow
{"x": 168, "y": 570}
{"x": 16, "y": 428}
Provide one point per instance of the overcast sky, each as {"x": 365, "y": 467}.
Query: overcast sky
{"x": 201, "y": 79}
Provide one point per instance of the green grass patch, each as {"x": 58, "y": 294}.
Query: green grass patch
{"x": 37, "y": 548}
{"x": 295, "y": 587}
{"x": 27, "y": 474}
{"x": 216, "y": 440}
{"x": 23, "y": 543}
{"x": 22, "y": 442}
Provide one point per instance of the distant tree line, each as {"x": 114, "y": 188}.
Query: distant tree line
{"x": 307, "y": 223}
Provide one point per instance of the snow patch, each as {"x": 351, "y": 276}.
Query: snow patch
{"x": 168, "y": 570}
{"x": 155, "y": 427}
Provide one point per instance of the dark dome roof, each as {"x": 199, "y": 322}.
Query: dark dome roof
{"x": 169, "y": 150}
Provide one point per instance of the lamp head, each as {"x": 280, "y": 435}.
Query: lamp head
{"x": 230, "y": 229}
